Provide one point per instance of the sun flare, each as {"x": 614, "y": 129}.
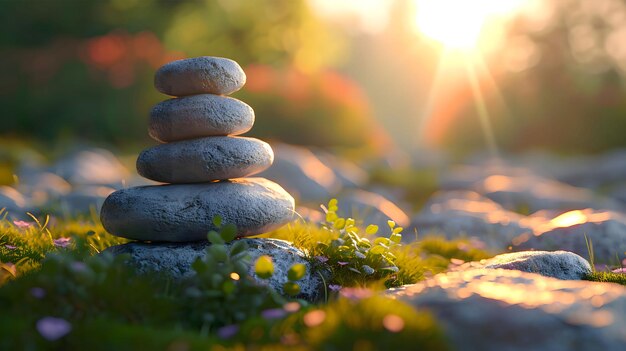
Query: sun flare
{"x": 460, "y": 24}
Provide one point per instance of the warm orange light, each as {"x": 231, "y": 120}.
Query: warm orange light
{"x": 458, "y": 24}
{"x": 569, "y": 219}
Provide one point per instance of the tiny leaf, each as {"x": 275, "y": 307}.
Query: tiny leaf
{"x": 228, "y": 232}
{"x": 291, "y": 288}
{"x": 296, "y": 272}
{"x": 371, "y": 229}
{"x": 264, "y": 267}
{"x": 217, "y": 221}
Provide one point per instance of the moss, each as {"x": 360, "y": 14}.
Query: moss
{"x": 607, "y": 277}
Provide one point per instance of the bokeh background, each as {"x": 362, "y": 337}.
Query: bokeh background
{"x": 349, "y": 74}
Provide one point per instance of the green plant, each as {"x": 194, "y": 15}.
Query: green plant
{"x": 348, "y": 253}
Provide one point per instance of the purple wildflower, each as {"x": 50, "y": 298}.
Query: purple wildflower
{"x": 62, "y": 242}
{"x": 22, "y": 224}
{"x": 334, "y": 287}
{"x": 52, "y": 328}
{"x": 619, "y": 270}
{"x": 322, "y": 259}
{"x": 273, "y": 313}
{"x": 228, "y": 331}
{"x": 38, "y": 292}
{"x": 10, "y": 247}
{"x": 341, "y": 263}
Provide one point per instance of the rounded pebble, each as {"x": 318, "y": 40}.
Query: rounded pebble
{"x": 199, "y": 116}
{"x": 200, "y": 75}
{"x": 185, "y": 212}
{"x": 205, "y": 159}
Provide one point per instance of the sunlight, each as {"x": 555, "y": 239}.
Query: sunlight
{"x": 459, "y": 24}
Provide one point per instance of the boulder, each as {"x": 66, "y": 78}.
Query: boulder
{"x": 175, "y": 261}
{"x": 556, "y": 264}
{"x": 91, "y": 167}
{"x": 498, "y": 309}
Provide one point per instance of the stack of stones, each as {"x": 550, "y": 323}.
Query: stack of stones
{"x": 202, "y": 162}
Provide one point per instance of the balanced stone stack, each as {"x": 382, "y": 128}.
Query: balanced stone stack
{"x": 202, "y": 161}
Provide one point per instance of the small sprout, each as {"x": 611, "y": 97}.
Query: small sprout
{"x": 217, "y": 221}
{"x": 296, "y": 272}
{"x": 397, "y": 230}
{"x": 264, "y": 268}
{"x": 377, "y": 250}
{"x": 228, "y": 233}
{"x": 371, "y": 229}
{"x": 331, "y": 216}
{"x": 340, "y": 223}
{"x": 218, "y": 252}
{"x": 291, "y": 288}
{"x": 391, "y": 224}
{"x": 396, "y": 238}
{"x": 215, "y": 238}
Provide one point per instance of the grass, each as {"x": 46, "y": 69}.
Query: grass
{"x": 108, "y": 306}
{"x": 607, "y": 277}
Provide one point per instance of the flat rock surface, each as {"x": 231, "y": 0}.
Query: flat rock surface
{"x": 199, "y": 116}
{"x": 205, "y": 159}
{"x": 175, "y": 261}
{"x": 200, "y": 75}
{"x": 511, "y": 310}
{"x": 556, "y": 264}
{"x": 185, "y": 212}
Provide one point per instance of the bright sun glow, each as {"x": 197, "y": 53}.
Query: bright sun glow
{"x": 459, "y": 24}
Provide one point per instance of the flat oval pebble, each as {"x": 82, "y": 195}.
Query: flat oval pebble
{"x": 205, "y": 159}
{"x": 199, "y": 116}
{"x": 200, "y": 75}
{"x": 185, "y": 212}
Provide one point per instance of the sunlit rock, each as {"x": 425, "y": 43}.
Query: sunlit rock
{"x": 497, "y": 309}
{"x": 302, "y": 174}
{"x": 605, "y": 232}
{"x": 556, "y": 264}
{"x": 457, "y": 214}
{"x": 533, "y": 193}
{"x": 175, "y": 261}
{"x": 91, "y": 167}
{"x": 42, "y": 187}
{"x": 12, "y": 200}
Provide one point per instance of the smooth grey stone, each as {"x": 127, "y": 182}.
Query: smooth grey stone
{"x": 205, "y": 159}
{"x": 199, "y": 116}
{"x": 200, "y": 75}
{"x": 91, "y": 167}
{"x": 175, "y": 261}
{"x": 498, "y": 309}
{"x": 556, "y": 264}
{"x": 185, "y": 212}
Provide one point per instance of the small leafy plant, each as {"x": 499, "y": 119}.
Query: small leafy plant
{"x": 349, "y": 253}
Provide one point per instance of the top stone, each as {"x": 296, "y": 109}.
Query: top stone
{"x": 200, "y": 75}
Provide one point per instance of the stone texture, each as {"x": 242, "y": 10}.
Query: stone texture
{"x": 205, "y": 159}
{"x": 185, "y": 212}
{"x": 556, "y": 264}
{"x": 499, "y": 309}
{"x": 200, "y": 75}
{"x": 458, "y": 214}
{"x": 605, "y": 229}
{"x": 175, "y": 260}
{"x": 91, "y": 167}
{"x": 199, "y": 116}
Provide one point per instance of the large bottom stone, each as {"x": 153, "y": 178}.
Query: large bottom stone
{"x": 185, "y": 212}
{"x": 175, "y": 261}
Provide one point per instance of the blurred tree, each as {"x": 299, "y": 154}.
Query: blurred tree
{"x": 83, "y": 69}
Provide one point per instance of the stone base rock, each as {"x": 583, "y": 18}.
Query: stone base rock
{"x": 175, "y": 261}
{"x": 185, "y": 212}
{"x": 557, "y": 264}
{"x": 516, "y": 311}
